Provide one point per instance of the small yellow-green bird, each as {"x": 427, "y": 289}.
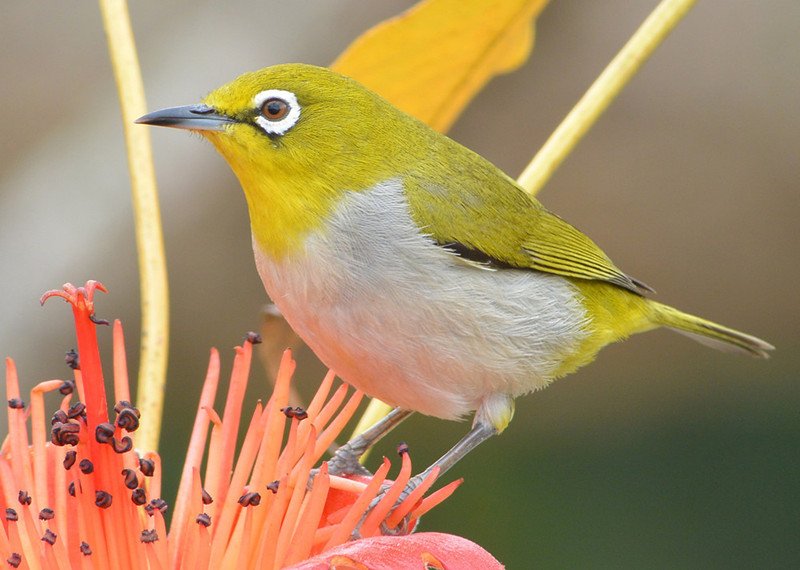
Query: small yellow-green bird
{"x": 413, "y": 267}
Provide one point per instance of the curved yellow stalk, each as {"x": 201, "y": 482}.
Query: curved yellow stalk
{"x": 147, "y": 220}
{"x": 605, "y": 88}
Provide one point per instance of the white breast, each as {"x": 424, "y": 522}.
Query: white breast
{"x": 404, "y": 320}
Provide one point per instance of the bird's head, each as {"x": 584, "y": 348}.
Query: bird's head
{"x": 298, "y": 137}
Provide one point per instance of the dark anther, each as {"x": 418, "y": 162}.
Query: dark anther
{"x": 65, "y": 433}
{"x": 131, "y": 480}
{"x": 72, "y": 360}
{"x": 71, "y": 489}
{"x": 16, "y": 404}
{"x": 77, "y": 410}
{"x": 207, "y": 499}
{"x": 300, "y": 413}
{"x": 24, "y": 498}
{"x": 49, "y": 537}
{"x": 288, "y": 411}
{"x": 60, "y": 417}
{"x": 69, "y": 459}
{"x": 86, "y": 550}
{"x": 160, "y": 504}
{"x": 67, "y": 387}
{"x": 122, "y": 405}
{"x": 86, "y": 466}
{"x": 103, "y": 499}
{"x": 11, "y": 515}
{"x": 273, "y": 486}
{"x": 46, "y": 514}
{"x": 123, "y": 445}
{"x": 203, "y": 519}
{"x": 402, "y": 448}
{"x": 149, "y": 536}
{"x": 139, "y": 497}
{"x": 253, "y": 338}
{"x": 97, "y": 321}
{"x": 147, "y": 467}
{"x": 14, "y": 560}
{"x": 250, "y": 499}
{"x": 71, "y": 427}
{"x": 104, "y": 432}
{"x": 128, "y": 419}
{"x": 156, "y": 505}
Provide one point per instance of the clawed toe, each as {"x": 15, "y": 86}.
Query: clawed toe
{"x": 346, "y": 462}
{"x": 390, "y": 512}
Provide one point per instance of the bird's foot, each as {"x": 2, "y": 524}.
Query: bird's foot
{"x": 397, "y": 523}
{"x": 346, "y": 460}
{"x": 397, "y": 508}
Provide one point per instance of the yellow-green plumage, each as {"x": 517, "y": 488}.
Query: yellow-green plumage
{"x": 453, "y": 194}
{"x": 412, "y": 265}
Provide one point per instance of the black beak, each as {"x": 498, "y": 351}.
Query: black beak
{"x": 191, "y": 117}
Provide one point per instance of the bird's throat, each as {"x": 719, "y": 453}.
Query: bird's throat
{"x": 284, "y": 207}
{"x": 280, "y": 223}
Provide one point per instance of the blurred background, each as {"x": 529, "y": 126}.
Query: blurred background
{"x": 663, "y": 453}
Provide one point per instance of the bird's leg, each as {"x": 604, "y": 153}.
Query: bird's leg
{"x": 345, "y": 460}
{"x": 479, "y": 433}
{"x": 492, "y": 418}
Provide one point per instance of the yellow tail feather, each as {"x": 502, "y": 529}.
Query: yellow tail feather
{"x": 708, "y": 333}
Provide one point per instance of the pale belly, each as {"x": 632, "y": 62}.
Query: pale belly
{"x": 402, "y": 319}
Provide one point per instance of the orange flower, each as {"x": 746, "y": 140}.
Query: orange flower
{"x": 87, "y": 499}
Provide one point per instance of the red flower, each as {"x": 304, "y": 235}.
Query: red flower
{"x": 86, "y": 498}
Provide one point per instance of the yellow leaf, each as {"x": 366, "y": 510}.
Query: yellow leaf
{"x": 433, "y": 59}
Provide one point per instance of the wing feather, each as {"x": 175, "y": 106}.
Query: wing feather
{"x": 486, "y": 216}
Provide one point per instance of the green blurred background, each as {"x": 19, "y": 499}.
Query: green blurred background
{"x": 662, "y": 454}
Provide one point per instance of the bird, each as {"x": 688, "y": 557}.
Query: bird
{"x": 413, "y": 267}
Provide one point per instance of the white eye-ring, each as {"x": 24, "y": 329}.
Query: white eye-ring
{"x": 278, "y": 110}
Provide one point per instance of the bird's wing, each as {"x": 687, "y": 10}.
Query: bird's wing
{"x": 490, "y": 221}
{"x": 555, "y": 246}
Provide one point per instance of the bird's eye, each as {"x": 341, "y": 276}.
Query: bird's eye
{"x": 275, "y": 109}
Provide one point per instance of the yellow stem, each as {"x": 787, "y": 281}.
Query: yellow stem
{"x": 147, "y": 220}
{"x": 605, "y": 88}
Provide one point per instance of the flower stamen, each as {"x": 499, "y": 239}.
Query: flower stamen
{"x": 70, "y": 489}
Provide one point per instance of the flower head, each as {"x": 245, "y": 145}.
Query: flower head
{"x": 83, "y": 496}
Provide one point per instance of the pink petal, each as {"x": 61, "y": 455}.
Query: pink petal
{"x": 421, "y": 550}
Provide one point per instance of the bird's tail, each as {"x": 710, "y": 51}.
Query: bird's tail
{"x": 708, "y": 333}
